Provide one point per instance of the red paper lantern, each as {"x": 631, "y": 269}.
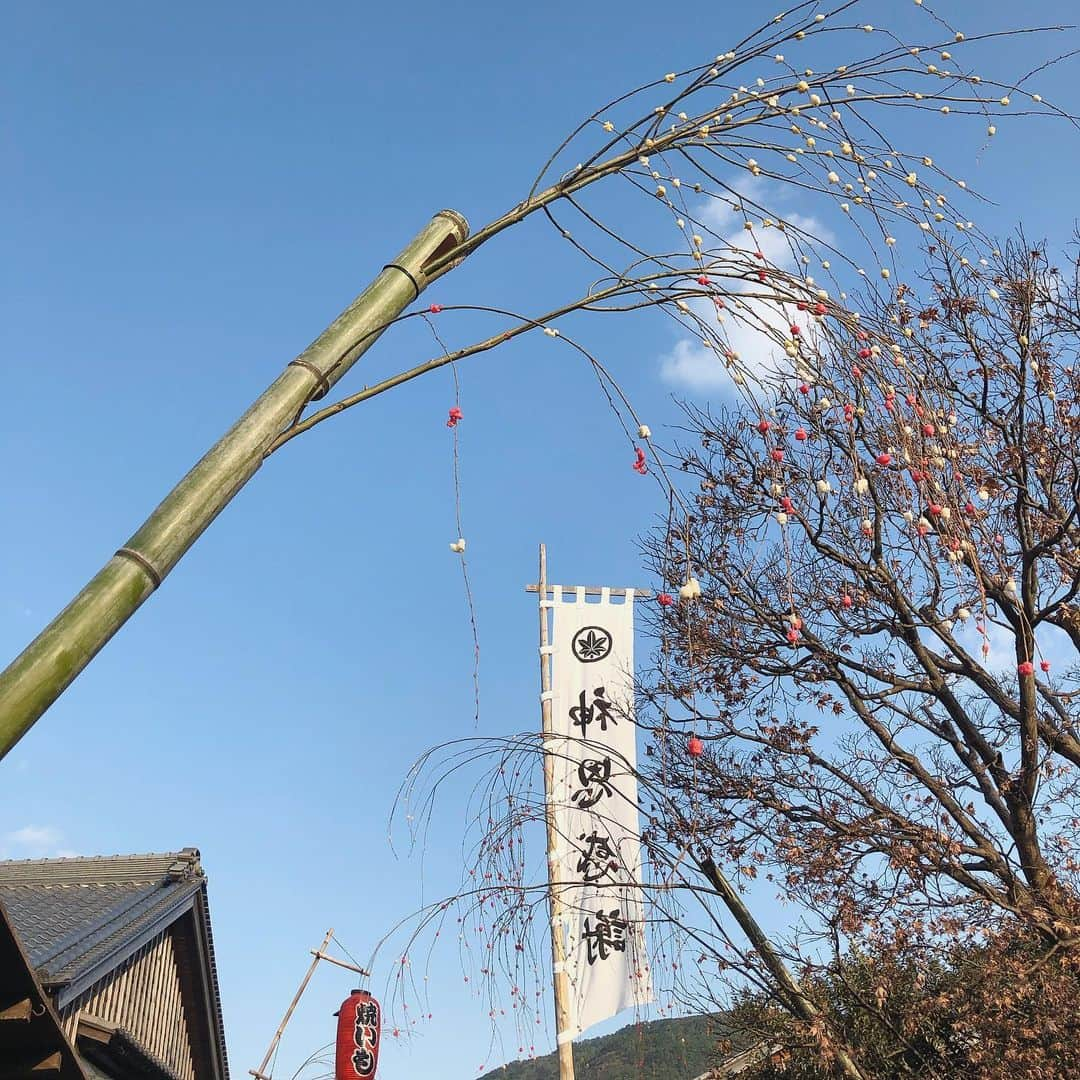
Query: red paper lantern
{"x": 358, "y": 1033}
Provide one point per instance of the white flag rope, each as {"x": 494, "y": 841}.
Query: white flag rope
{"x": 594, "y": 798}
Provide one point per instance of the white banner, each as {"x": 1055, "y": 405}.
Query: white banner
{"x": 596, "y": 810}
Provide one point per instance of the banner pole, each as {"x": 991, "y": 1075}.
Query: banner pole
{"x": 560, "y": 980}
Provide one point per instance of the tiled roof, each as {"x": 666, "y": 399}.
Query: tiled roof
{"x": 74, "y": 915}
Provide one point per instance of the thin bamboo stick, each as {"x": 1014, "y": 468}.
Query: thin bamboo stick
{"x": 260, "y": 1072}
{"x": 340, "y": 963}
{"x": 593, "y": 590}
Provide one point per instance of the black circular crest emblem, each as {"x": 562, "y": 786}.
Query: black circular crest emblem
{"x": 591, "y": 643}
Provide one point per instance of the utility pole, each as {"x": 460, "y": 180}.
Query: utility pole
{"x": 48, "y": 665}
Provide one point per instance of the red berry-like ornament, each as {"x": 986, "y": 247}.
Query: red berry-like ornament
{"x": 695, "y": 747}
{"x": 800, "y": 434}
{"x": 1044, "y": 664}
{"x": 763, "y": 426}
{"x": 1025, "y": 669}
{"x": 435, "y": 309}
{"x": 665, "y": 599}
{"x": 883, "y": 459}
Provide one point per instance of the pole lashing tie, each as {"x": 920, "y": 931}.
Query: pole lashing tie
{"x": 324, "y": 382}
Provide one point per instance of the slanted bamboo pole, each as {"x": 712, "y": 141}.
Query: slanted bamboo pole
{"x": 560, "y": 980}
{"x": 40, "y": 674}
{"x": 260, "y": 1073}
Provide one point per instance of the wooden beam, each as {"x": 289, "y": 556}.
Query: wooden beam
{"x": 340, "y": 963}
{"x": 30, "y": 1063}
{"x": 21, "y": 1010}
{"x": 594, "y": 590}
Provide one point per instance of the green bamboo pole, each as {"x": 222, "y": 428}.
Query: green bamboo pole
{"x": 37, "y": 677}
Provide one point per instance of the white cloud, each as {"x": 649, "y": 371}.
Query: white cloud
{"x": 1053, "y": 645}
{"x": 748, "y": 324}
{"x": 33, "y": 842}
{"x": 691, "y": 365}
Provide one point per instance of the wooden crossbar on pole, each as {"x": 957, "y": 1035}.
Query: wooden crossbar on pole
{"x": 593, "y": 590}
{"x": 560, "y": 980}
{"x": 319, "y": 955}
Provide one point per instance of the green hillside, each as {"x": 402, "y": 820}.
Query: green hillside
{"x": 660, "y": 1050}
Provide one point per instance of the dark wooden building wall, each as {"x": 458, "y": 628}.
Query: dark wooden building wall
{"x": 147, "y": 997}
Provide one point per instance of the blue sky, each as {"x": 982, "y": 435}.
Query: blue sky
{"x": 189, "y": 195}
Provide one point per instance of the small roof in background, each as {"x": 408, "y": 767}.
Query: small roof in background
{"x": 72, "y": 915}
{"x": 79, "y": 918}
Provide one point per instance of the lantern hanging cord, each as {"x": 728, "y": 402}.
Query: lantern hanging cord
{"x": 356, "y": 963}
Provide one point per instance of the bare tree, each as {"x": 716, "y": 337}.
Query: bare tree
{"x": 881, "y": 668}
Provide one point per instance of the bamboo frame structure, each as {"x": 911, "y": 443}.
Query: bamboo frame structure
{"x": 319, "y": 954}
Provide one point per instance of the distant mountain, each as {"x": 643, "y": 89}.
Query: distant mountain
{"x": 659, "y": 1050}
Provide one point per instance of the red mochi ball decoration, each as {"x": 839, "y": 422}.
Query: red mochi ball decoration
{"x": 695, "y": 747}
